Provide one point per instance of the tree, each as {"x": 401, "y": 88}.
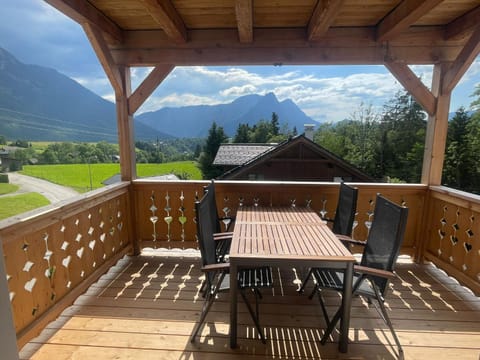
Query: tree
{"x": 404, "y": 128}
{"x": 458, "y": 167}
{"x": 260, "y": 132}
{"x": 216, "y": 136}
{"x": 274, "y": 125}
{"x": 242, "y": 135}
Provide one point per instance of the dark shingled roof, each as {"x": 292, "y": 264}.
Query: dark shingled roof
{"x": 238, "y": 154}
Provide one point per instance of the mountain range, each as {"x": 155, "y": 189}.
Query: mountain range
{"x": 249, "y": 109}
{"x": 40, "y": 104}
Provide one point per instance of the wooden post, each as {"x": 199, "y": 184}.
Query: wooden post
{"x": 126, "y": 136}
{"x": 8, "y": 340}
{"x": 436, "y": 136}
{"x": 126, "y": 142}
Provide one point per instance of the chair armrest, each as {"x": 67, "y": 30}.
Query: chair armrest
{"x": 374, "y": 272}
{"x": 222, "y": 236}
{"x": 349, "y": 240}
{"x": 215, "y": 267}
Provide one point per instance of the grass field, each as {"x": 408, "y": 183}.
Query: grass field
{"x": 17, "y": 204}
{"x": 83, "y": 177}
{"x": 7, "y": 188}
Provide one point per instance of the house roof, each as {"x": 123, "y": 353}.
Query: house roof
{"x": 281, "y": 147}
{"x": 238, "y": 154}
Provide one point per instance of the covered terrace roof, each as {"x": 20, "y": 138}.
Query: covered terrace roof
{"x": 396, "y": 33}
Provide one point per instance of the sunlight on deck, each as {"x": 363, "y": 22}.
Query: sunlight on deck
{"x": 145, "y": 307}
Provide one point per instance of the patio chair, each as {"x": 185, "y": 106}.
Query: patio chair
{"x": 371, "y": 276}
{"x": 217, "y": 277}
{"x": 342, "y": 223}
{"x": 227, "y": 221}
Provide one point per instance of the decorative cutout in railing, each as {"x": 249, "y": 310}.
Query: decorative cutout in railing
{"x": 56, "y": 256}
{"x": 455, "y": 242}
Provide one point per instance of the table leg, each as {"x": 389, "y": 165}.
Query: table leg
{"x": 346, "y": 306}
{"x": 233, "y": 305}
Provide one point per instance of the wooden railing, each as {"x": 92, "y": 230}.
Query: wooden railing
{"x": 451, "y": 239}
{"x": 165, "y": 215}
{"x": 53, "y": 254}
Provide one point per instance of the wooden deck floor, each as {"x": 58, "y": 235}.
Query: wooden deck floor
{"x": 146, "y": 307}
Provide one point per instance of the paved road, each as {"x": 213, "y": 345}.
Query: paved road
{"x": 53, "y": 192}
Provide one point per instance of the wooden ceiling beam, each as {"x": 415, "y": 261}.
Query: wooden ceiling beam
{"x": 463, "y": 61}
{"x": 402, "y": 17}
{"x": 428, "y": 37}
{"x": 148, "y": 86}
{"x": 244, "y": 15}
{"x": 83, "y": 12}
{"x": 413, "y": 85}
{"x": 104, "y": 56}
{"x": 346, "y": 55}
{"x": 323, "y": 16}
{"x": 168, "y": 18}
{"x": 284, "y": 46}
{"x": 463, "y": 25}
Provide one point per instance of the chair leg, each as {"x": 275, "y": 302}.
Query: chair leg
{"x": 386, "y": 318}
{"x": 322, "y": 305}
{"x": 254, "y": 315}
{"x": 331, "y": 325}
{"x": 302, "y": 288}
{"x": 210, "y": 298}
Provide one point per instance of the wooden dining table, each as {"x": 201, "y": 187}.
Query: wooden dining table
{"x": 287, "y": 237}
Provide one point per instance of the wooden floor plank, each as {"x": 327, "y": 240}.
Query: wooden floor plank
{"x": 146, "y": 307}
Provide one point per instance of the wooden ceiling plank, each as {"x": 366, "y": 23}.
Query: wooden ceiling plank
{"x": 104, "y": 56}
{"x": 148, "y": 86}
{"x": 413, "y": 85}
{"x": 402, "y": 17}
{"x": 168, "y": 18}
{"x": 463, "y": 61}
{"x": 323, "y": 16}
{"x": 463, "y": 25}
{"x": 244, "y": 15}
{"x": 83, "y": 12}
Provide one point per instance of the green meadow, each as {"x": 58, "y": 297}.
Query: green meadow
{"x": 7, "y": 188}
{"x": 83, "y": 177}
{"x": 17, "y": 204}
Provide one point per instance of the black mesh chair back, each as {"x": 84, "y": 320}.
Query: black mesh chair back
{"x": 346, "y": 208}
{"x": 217, "y": 220}
{"x": 385, "y": 238}
{"x": 210, "y": 194}
{"x": 205, "y": 231}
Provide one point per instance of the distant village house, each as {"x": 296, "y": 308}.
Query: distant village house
{"x": 296, "y": 159}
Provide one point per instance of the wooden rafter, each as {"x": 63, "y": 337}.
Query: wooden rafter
{"x": 413, "y": 85}
{"x": 244, "y": 15}
{"x": 323, "y": 16}
{"x": 105, "y": 57}
{"x": 463, "y": 25}
{"x": 463, "y": 61}
{"x": 83, "y": 12}
{"x": 148, "y": 86}
{"x": 167, "y": 17}
{"x": 404, "y": 15}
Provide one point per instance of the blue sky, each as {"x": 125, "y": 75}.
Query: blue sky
{"x": 36, "y": 33}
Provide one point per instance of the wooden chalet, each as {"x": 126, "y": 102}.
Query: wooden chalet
{"x": 77, "y": 273}
{"x": 295, "y": 159}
